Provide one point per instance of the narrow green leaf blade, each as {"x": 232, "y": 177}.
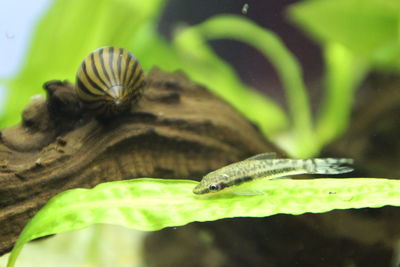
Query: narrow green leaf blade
{"x": 343, "y": 74}
{"x": 286, "y": 65}
{"x": 204, "y": 66}
{"x": 152, "y": 204}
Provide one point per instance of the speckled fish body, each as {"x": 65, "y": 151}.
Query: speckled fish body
{"x": 263, "y": 166}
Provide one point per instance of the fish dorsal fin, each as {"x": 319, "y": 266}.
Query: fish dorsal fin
{"x": 268, "y": 155}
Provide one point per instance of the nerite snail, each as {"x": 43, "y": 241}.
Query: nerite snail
{"x": 108, "y": 81}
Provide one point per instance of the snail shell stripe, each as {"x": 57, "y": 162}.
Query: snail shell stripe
{"x": 109, "y": 80}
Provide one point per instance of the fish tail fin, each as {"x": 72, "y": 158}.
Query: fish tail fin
{"x": 328, "y": 165}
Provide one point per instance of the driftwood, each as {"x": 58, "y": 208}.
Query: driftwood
{"x": 178, "y": 130}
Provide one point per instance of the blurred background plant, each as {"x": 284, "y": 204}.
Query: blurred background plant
{"x": 355, "y": 36}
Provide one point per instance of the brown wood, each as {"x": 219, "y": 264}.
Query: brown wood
{"x": 178, "y": 130}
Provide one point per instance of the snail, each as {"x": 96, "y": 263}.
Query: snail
{"x": 108, "y": 81}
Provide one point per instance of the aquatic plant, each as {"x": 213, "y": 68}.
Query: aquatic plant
{"x": 139, "y": 203}
{"x": 153, "y": 204}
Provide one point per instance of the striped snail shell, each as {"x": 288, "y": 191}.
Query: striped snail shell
{"x": 109, "y": 80}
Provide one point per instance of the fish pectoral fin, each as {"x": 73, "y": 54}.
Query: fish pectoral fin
{"x": 281, "y": 177}
{"x": 243, "y": 192}
{"x": 268, "y": 155}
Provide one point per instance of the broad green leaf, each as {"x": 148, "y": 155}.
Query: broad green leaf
{"x": 152, "y": 204}
{"x": 356, "y": 35}
{"x": 370, "y": 29}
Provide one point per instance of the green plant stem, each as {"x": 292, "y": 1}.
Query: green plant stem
{"x": 344, "y": 72}
{"x": 202, "y": 64}
{"x": 237, "y": 28}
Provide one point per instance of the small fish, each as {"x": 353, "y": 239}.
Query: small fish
{"x": 266, "y": 166}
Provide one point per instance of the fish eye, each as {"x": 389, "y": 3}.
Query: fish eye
{"x": 213, "y": 187}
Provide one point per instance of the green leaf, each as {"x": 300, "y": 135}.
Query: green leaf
{"x": 370, "y": 29}
{"x": 205, "y": 67}
{"x": 356, "y": 35}
{"x": 287, "y": 66}
{"x": 344, "y": 72}
{"x": 152, "y": 204}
